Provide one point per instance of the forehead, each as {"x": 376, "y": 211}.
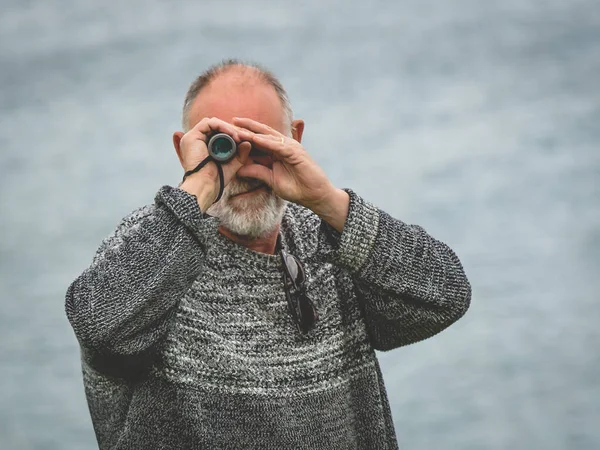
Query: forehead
{"x": 238, "y": 94}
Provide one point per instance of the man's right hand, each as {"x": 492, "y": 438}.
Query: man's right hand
{"x": 193, "y": 149}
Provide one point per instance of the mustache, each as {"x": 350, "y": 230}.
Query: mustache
{"x": 242, "y": 185}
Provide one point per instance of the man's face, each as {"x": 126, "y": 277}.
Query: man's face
{"x": 247, "y": 207}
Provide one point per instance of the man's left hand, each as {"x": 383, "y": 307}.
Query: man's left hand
{"x": 294, "y": 175}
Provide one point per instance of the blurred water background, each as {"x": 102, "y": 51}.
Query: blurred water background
{"x": 477, "y": 120}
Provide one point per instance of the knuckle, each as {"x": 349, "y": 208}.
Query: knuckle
{"x": 215, "y": 123}
{"x": 203, "y": 122}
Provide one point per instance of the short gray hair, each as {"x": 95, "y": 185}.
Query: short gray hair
{"x": 214, "y": 71}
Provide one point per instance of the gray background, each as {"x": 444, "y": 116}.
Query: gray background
{"x": 477, "y": 120}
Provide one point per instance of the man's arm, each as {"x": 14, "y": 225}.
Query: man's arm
{"x": 412, "y": 286}
{"x": 120, "y": 306}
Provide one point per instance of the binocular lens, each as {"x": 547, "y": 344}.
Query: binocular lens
{"x": 222, "y": 147}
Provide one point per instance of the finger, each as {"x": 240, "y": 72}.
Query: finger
{"x": 243, "y": 152}
{"x": 255, "y": 126}
{"x": 276, "y": 145}
{"x": 258, "y": 172}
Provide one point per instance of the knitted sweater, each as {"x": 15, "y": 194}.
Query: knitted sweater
{"x": 187, "y": 341}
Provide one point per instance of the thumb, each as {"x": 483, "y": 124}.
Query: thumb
{"x": 258, "y": 172}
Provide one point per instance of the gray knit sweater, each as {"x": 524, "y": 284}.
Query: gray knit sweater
{"x": 187, "y": 341}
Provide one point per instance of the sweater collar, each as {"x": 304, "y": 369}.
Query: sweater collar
{"x": 237, "y": 254}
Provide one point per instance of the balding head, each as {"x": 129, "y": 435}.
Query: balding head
{"x": 231, "y": 89}
{"x": 235, "y": 77}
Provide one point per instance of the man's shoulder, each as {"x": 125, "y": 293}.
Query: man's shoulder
{"x": 141, "y": 212}
{"x": 137, "y": 215}
{"x": 131, "y": 221}
{"x": 300, "y": 218}
{"x": 300, "y": 227}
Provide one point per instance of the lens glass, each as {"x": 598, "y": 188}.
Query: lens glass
{"x": 222, "y": 147}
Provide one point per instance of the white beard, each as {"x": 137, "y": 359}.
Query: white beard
{"x": 254, "y": 215}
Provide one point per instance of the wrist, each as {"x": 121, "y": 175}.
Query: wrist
{"x": 333, "y": 208}
{"x": 203, "y": 186}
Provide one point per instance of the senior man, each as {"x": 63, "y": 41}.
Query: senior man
{"x": 251, "y": 322}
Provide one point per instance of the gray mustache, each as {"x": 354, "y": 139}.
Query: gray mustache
{"x": 245, "y": 184}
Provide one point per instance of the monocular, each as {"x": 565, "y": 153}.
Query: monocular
{"x": 222, "y": 147}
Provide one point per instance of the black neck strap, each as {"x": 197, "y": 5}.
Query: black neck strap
{"x": 219, "y": 168}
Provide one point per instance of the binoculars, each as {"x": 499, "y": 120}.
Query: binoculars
{"x": 222, "y": 147}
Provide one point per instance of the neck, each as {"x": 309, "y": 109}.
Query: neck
{"x": 264, "y": 244}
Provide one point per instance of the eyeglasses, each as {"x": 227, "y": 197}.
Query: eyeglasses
{"x": 294, "y": 282}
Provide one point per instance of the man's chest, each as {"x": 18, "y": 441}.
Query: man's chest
{"x": 234, "y": 329}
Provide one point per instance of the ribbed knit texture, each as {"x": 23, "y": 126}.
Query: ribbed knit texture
{"x": 187, "y": 341}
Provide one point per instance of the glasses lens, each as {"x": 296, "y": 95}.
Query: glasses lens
{"x": 300, "y": 278}
{"x": 301, "y": 307}
{"x": 308, "y": 314}
{"x": 291, "y": 267}
{"x": 294, "y": 270}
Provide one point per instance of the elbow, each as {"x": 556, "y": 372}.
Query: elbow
{"x": 415, "y": 324}
{"x": 454, "y": 297}
{"x": 422, "y": 323}
{"x": 460, "y": 296}
{"x": 455, "y": 303}
{"x": 79, "y": 311}
{"x": 454, "y": 306}
{"x": 459, "y": 302}
{"x": 104, "y": 345}
{"x": 457, "y": 290}
{"x": 93, "y": 326}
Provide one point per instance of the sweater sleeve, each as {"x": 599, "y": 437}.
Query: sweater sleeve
{"x": 411, "y": 285}
{"x": 120, "y": 306}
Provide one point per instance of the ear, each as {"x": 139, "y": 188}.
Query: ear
{"x": 297, "y": 129}
{"x": 177, "y": 144}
